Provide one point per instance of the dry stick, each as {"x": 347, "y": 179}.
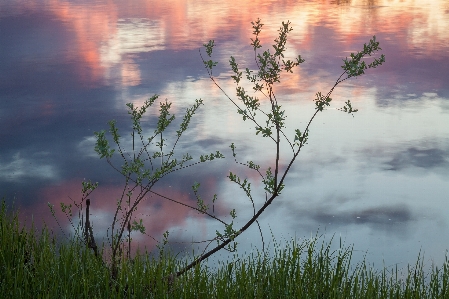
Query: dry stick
{"x": 88, "y": 232}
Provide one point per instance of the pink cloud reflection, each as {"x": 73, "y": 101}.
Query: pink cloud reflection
{"x": 158, "y": 214}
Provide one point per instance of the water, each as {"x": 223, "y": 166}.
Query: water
{"x": 378, "y": 180}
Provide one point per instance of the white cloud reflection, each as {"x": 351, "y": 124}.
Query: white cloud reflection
{"x": 20, "y": 169}
{"x": 132, "y": 36}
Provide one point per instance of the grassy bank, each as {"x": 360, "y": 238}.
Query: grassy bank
{"x": 34, "y": 265}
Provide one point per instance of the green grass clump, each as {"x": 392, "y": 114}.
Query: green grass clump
{"x": 34, "y": 265}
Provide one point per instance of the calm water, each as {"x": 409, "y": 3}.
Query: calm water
{"x": 379, "y": 180}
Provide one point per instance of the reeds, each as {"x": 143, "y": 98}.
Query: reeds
{"x": 34, "y": 265}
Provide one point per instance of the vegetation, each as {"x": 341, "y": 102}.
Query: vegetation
{"x": 153, "y": 153}
{"x": 33, "y": 265}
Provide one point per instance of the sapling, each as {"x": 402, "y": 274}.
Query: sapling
{"x": 151, "y": 158}
{"x": 270, "y": 66}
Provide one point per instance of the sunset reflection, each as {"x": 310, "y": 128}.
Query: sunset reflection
{"x": 109, "y": 32}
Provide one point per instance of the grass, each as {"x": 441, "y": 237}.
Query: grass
{"x": 34, "y": 265}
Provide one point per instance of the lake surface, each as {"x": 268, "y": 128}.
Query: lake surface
{"x": 378, "y": 180}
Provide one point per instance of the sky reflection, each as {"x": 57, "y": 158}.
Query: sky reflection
{"x": 67, "y": 67}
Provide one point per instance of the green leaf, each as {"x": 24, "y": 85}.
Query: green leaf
{"x": 102, "y": 145}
